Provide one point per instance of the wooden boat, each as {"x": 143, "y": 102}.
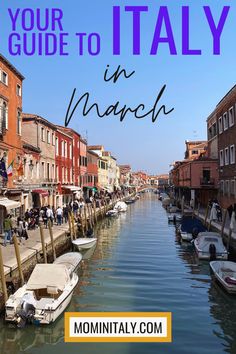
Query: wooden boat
{"x": 84, "y": 243}
{"x": 225, "y": 273}
{"x": 209, "y": 245}
{"x": 130, "y": 201}
{"x": 71, "y": 260}
{"x": 190, "y": 227}
{"x": 44, "y": 297}
{"x": 121, "y": 207}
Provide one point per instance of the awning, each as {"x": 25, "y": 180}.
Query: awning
{"x": 72, "y": 188}
{"x": 89, "y": 187}
{"x": 9, "y": 204}
{"x": 43, "y": 192}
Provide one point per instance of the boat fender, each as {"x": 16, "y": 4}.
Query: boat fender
{"x": 212, "y": 251}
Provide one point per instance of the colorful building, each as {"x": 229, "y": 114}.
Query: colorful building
{"x": 222, "y": 141}
{"x": 11, "y": 151}
{"x": 41, "y": 134}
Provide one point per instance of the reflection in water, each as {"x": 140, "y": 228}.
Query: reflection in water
{"x": 139, "y": 265}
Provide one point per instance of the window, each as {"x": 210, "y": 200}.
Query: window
{"x": 48, "y": 170}
{"x": 56, "y": 146}
{"x": 231, "y": 116}
{"x": 53, "y": 171}
{"x": 42, "y": 170}
{"x": 65, "y": 145}
{"x": 62, "y": 148}
{"x": 226, "y": 188}
{"x": 226, "y": 156}
{"x": 42, "y": 134}
{"x": 18, "y": 90}
{"x": 232, "y": 154}
{"x": 220, "y": 125}
{"x": 56, "y": 176}
{"x": 18, "y": 122}
{"x": 221, "y": 158}
{"x": 63, "y": 177}
{"x": 194, "y": 152}
{"x": 4, "y": 117}
{"x": 53, "y": 139}
{"x": 48, "y": 136}
{"x": 4, "y": 78}
{"x": 232, "y": 187}
{"x": 226, "y": 121}
{"x": 37, "y": 170}
{"x": 222, "y": 187}
{"x": 70, "y": 151}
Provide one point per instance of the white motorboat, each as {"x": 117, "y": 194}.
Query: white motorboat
{"x": 121, "y": 207}
{"x": 209, "y": 245}
{"x": 44, "y": 297}
{"x": 84, "y": 243}
{"x": 71, "y": 260}
{"x": 175, "y": 218}
{"x": 112, "y": 212}
{"x": 225, "y": 273}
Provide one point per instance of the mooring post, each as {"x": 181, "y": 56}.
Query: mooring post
{"x": 43, "y": 243}
{"x": 3, "y": 280}
{"x": 73, "y": 226}
{"x": 223, "y": 222}
{"x": 18, "y": 259}
{"x": 52, "y": 240}
{"x": 85, "y": 217}
{"x": 198, "y": 209}
{"x": 206, "y": 215}
{"x": 70, "y": 227}
{"x": 95, "y": 211}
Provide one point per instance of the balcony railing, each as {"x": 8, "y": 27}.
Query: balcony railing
{"x": 205, "y": 182}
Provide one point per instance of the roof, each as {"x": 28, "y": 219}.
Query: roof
{"x": 92, "y": 153}
{"x": 48, "y": 275}
{"x": 27, "y": 117}
{"x": 11, "y": 67}
{"x": 95, "y": 147}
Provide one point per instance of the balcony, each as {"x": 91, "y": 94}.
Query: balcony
{"x": 207, "y": 182}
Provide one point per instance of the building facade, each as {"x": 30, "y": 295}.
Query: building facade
{"x": 41, "y": 134}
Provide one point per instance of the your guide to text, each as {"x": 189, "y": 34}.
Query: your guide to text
{"x": 42, "y": 32}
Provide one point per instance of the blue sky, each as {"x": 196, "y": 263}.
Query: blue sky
{"x": 194, "y": 84}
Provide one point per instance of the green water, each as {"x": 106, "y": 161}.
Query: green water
{"x": 138, "y": 265}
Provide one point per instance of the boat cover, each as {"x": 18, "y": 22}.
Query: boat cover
{"x": 189, "y": 223}
{"x": 48, "y": 275}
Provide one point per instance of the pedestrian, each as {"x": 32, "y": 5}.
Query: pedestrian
{"x": 59, "y": 214}
{"x": 49, "y": 215}
{"x": 23, "y": 227}
{"x": 65, "y": 213}
{"x": 7, "y": 225}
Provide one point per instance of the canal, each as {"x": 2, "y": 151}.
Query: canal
{"x": 139, "y": 265}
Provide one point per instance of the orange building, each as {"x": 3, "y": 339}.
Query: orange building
{"x": 10, "y": 117}
{"x": 10, "y": 137}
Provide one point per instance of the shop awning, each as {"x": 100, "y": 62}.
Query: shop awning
{"x": 43, "y": 192}
{"x": 9, "y": 204}
{"x": 72, "y": 188}
{"x": 93, "y": 188}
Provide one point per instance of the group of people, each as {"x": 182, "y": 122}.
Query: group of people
{"x": 20, "y": 229}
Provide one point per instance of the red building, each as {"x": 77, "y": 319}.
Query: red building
{"x": 64, "y": 166}
{"x": 83, "y": 162}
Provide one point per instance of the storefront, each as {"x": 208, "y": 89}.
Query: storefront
{"x": 8, "y": 206}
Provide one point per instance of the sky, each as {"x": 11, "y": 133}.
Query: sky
{"x": 194, "y": 84}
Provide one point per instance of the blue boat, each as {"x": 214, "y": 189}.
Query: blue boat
{"x": 190, "y": 226}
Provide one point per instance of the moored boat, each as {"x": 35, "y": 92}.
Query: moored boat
{"x": 121, "y": 207}
{"x": 44, "y": 297}
{"x": 190, "y": 228}
{"x": 225, "y": 273}
{"x": 84, "y": 243}
{"x": 71, "y": 260}
{"x": 209, "y": 246}
{"x": 175, "y": 218}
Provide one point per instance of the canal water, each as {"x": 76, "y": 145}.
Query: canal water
{"x": 139, "y": 265}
